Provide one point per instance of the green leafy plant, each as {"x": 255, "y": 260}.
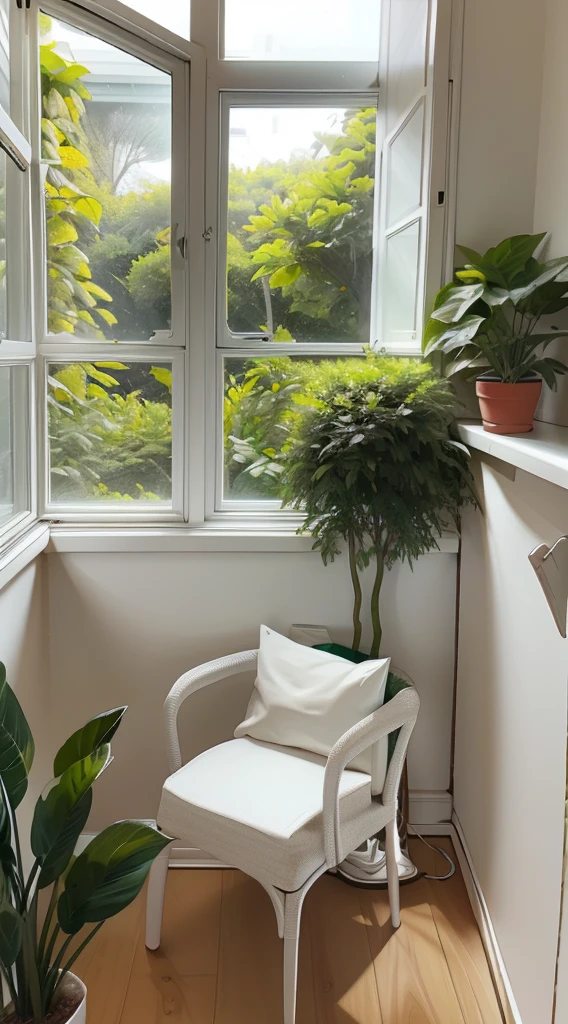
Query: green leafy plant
{"x": 105, "y": 443}
{"x": 488, "y": 318}
{"x": 86, "y": 889}
{"x": 72, "y": 211}
{"x": 373, "y": 466}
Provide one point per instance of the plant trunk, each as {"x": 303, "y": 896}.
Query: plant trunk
{"x": 375, "y": 598}
{"x": 357, "y": 596}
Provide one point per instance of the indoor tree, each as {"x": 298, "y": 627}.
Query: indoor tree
{"x": 373, "y": 466}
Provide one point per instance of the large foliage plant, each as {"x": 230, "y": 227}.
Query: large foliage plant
{"x": 36, "y": 951}
{"x": 490, "y": 317}
{"x": 373, "y": 466}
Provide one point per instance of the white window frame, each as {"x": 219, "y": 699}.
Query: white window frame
{"x": 214, "y": 81}
{"x": 184, "y": 62}
{"x": 18, "y": 348}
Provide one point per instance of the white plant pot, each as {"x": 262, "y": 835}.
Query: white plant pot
{"x": 74, "y": 984}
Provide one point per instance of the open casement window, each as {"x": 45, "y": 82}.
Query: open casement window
{"x": 115, "y": 205}
{"x": 17, "y": 491}
{"x": 412, "y": 199}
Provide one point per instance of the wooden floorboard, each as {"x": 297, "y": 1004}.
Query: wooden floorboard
{"x": 220, "y": 961}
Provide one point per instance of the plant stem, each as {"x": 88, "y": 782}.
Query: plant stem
{"x": 358, "y": 597}
{"x": 375, "y": 596}
{"x": 80, "y": 948}
{"x": 31, "y": 968}
{"x": 47, "y": 922}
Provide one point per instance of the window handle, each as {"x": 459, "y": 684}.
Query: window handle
{"x": 19, "y": 4}
{"x": 182, "y": 246}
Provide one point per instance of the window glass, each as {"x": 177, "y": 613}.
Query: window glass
{"x": 171, "y": 14}
{"x": 14, "y": 437}
{"x": 263, "y": 397}
{"x": 3, "y": 300}
{"x": 107, "y": 146}
{"x": 300, "y": 222}
{"x": 5, "y": 55}
{"x": 110, "y": 432}
{"x": 311, "y": 30}
{"x": 401, "y": 286}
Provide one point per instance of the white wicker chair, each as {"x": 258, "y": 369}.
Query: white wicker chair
{"x": 286, "y": 863}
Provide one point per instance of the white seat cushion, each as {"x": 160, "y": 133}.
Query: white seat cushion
{"x": 273, "y": 789}
{"x": 258, "y": 807}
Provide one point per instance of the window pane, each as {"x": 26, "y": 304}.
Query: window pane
{"x": 110, "y": 432}
{"x": 300, "y": 222}
{"x": 14, "y": 438}
{"x": 172, "y": 14}
{"x": 304, "y": 30}
{"x": 5, "y": 54}
{"x": 107, "y": 146}
{"x": 405, "y": 169}
{"x": 3, "y": 269}
{"x": 262, "y": 398}
{"x": 401, "y": 286}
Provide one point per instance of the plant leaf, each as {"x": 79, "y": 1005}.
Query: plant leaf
{"x": 108, "y": 874}
{"x": 16, "y": 743}
{"x": 61, "y": 813}
{"x": 87, "y": 739}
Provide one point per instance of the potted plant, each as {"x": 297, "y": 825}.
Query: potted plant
{"x": 36, "y": 955}
{"x": 373, "y": 468}
{"x": 486, "y": 324}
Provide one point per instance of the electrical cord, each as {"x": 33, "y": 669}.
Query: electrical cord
{"x": 435, "y": 849}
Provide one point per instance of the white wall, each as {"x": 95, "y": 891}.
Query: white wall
{"x": 500, "y": 111}
{"x": 123, "y": 627}
{"x": 511, "y": 727}
{"x": 23, "y": 649}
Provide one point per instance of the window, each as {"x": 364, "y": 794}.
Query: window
{"x": 300, "y": 221}
{"x": 16, "y": 346}
{"x": 256, "y": 30}
{"x": 225, "y": 218}
{"x": 114, "y": 268}
{"x": 107, "y": 150}
{"x": 110, "y": 432}
{"x": 14, "y": 442}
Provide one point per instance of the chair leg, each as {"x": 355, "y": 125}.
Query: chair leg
{"x": 292, "y": 914}
{"x": 155, "y": 898}
{"x": 392, "y": 873}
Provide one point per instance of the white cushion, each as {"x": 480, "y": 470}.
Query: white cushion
{"x": 307, "y": 699}
{"x": 272, "y": 789}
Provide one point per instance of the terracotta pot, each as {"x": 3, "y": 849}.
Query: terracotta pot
{"x": 508, "y": 408}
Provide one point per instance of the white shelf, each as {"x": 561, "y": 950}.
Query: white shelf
{"x": 543, "y": 452}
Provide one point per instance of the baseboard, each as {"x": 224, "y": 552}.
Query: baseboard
{"x": 501, "y": 981}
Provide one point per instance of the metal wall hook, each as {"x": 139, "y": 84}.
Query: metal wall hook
{"x": 551, "y": 567}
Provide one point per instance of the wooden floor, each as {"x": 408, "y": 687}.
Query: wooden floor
{"x": 220, "y": 959}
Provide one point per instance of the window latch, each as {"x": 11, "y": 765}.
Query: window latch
{"x": 19, "y": 4}
{"x": 206, "y": 236}
{"x": 182, "y": 246}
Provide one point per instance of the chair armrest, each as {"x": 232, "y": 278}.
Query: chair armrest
{"x": 191, "y": 682}
{"x": 399, "y": 713}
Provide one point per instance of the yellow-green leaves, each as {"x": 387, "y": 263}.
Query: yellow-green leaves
{"x": 163, "y": 375}
{"x": 60, "y": 231}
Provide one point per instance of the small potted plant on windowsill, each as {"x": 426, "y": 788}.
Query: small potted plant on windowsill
{"x": 373, "y": 468}
{"x": 485, "y": 325}
{"x": 36, "y": 956}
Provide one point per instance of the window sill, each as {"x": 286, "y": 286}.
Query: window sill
{"x": 65, "y": 539}
{"x": 543, "y": 452}
{"x": 22, "y": 551}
